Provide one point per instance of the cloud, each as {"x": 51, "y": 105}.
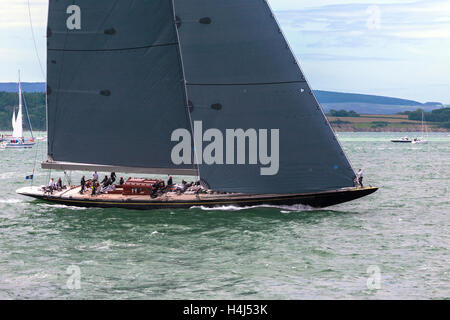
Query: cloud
{"x": 372, "y": 46}
{"x": 337, "y": 57}
{"x": 15, "y": 13}
{"x": 418, "y": 20}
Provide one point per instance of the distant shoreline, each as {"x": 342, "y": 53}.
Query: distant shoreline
{"x": 350, "y": 128}
{"x": 394, "y": 130}
{"x": 382, "y": 123}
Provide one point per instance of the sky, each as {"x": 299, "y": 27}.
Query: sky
{"x": 398, "y": 48}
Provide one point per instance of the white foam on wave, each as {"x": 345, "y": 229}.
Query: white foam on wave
{"x": 11, "y": 201}
{"x": 10, "y": 174}
{"x": 284, "y": 209}
{"x": 61, "y": 206}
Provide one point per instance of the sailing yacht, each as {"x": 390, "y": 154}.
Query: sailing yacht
{"x": 132, "y": 85}
{"x": 17, "y": 140}
{"x": 421, "y": 140}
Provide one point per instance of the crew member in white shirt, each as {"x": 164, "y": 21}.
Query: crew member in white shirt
{"x": 360, "y": 176}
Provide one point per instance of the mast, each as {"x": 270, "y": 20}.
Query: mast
{"x": 22, "y": 98}
{"x": 28, "y": 117}
{"x": 423, "y": 127}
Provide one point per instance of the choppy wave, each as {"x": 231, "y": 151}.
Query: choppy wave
{"x": 7, "y": 175}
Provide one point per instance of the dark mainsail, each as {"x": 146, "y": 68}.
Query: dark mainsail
{"x": 135, "y": 71}
{"x": 115, "y": 84}
{"x": 235, "y": 55}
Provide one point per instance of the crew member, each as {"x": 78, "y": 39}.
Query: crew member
{"x": 59, "y": 185}
{"x": 360, "y": 176}
{"x": 83, "y": 184}
{"x": 51, "y": 185}
{"x": 95, "y": 176}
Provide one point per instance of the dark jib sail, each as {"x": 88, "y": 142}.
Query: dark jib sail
{"x": 121, "y": 73}
{"x": 236, "y": 57}
{"x": 115, "y": 84}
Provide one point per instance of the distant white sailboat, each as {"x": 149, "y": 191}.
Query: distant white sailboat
{"x": 17, "y": 140}
{"x": 421, "y": 140}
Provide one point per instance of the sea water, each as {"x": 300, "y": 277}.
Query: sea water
{"x": 393, "y": 244}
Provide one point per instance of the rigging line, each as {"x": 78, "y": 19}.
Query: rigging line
{"x": 35, "y": 160}
{"x": 32, "y": 136}
{"x": 34, "y": 40}
{"x": 28, "y": 115}
{"x": 185, "y": 87}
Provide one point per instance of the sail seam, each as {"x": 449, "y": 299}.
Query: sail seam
{"x": 244, "y": 84}
{"x": 117, "y": 49}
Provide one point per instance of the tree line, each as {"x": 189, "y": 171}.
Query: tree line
{"x": 343, "y": 113}
{"x": 441, "y": 116}
{"x": 35, "y": 102}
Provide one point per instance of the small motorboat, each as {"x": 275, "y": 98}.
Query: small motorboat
{"x": 402, "y": 140}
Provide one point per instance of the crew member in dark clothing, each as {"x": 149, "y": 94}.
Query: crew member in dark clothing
{"x": 121, "y": 181}
{"x": 59, "y": 185}
{"x": 107, "y": 183}
{"x": 170, "y": 182}
{"x": 105, "y": 179}
{"x": 83, "y": 184}
{"x": 113, "y": 177}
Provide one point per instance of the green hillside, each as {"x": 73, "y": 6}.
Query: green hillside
{"x": 36, "y": 109}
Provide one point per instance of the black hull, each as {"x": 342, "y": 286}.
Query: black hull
{"x": 315, "y": 200}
